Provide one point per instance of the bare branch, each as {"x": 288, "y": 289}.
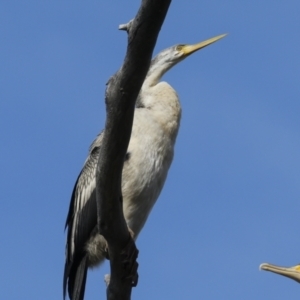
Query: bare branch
{"x": 127, "y": 26}
{"x": 121, "y": 93}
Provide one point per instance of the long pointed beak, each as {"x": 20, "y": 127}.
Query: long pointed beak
{"x": 189, "y": 49}
{"x": 292, "y": 272}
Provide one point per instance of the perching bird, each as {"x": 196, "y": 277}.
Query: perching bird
{"x": 149, "y": 156}
{"x": 290, "y": 272}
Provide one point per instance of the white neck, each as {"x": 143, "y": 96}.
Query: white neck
{"x": 155, "y": 73}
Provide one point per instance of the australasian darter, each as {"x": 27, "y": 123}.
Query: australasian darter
{"x": 149, "y": 156}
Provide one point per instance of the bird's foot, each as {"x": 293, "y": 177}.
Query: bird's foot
{"x": 106, "y": 252}
{"x": 129, "y": 256}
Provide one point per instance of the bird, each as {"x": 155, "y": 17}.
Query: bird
{"x": 290, "y": 272}
{"x": 146, "y": 164}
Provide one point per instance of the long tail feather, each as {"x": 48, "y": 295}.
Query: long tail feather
{"x": 77, "y": 279}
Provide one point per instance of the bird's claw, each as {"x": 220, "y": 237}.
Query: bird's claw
{"x": 129, "y": 256}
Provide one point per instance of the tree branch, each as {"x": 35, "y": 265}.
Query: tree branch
{"x": 121, "y": 93}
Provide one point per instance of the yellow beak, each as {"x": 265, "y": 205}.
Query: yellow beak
{"x": 292, "y": 272}
{"x": 189, "y": 49}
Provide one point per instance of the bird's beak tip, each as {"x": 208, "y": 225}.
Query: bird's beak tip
{"x": 262, "y": 266}
{"x": 189, "y": 49}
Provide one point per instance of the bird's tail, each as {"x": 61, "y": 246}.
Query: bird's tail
{"x": 75, "y": 275}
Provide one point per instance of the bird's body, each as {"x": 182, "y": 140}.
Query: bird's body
{"x": 149, "y": 156}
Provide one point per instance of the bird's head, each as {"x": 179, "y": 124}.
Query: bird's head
{"x": 169, "y": 57}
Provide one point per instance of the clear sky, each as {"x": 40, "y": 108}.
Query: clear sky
{"x": 232, "y": 197}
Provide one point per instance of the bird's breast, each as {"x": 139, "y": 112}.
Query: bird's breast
{"x": 150, "y": 153}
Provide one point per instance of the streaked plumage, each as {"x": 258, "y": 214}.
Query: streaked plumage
{"x": 149, "y": 156}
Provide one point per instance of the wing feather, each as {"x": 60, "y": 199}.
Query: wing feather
{"x": 82, "y": 216}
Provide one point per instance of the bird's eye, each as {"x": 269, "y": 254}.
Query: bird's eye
{"x": 179, "y": 47}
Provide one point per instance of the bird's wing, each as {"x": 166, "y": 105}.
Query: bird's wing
{"x": 82, "y": 215}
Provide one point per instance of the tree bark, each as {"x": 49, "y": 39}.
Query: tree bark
{"x": 121, "y": 93}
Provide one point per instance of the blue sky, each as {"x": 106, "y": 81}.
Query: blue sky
{"x": 231, "y": 200}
